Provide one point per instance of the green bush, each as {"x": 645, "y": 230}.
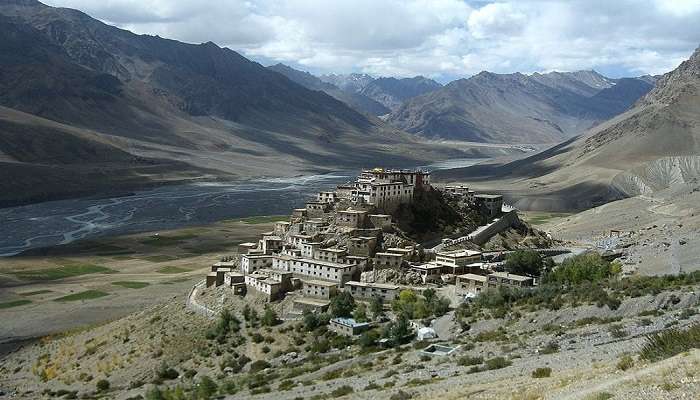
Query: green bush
{"x": 342, "y": 391}
{"x": 258, "y": 366}
{"x": 542, "y": 372}
{"x": 497, "y": 363}
{"x": 102, "y": 385}
{"x": 524, "y": 262}
{"x": 550, "y": 348}
{"x": 467, "y": 360}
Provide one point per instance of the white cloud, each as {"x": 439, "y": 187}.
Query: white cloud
{"x": 445, "y": 39}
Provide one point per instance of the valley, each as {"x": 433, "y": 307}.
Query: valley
{"x": 379, "y": 200}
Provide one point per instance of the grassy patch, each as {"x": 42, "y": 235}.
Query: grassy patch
{"x": 62, "y": 272}
{"x": 539, "y": 218}
{"x": 160, "y": 258}
{"x": 163, "y": 241}
{"x": 171, "y": 269}
{"x": 86, "y": 295}
{"x": 36, "y": 292}
{"x": 670, "y": 342}
{"x": 15, "y": 303}
{"x": 131, "y": 284}
{"x": 264, "y": 219}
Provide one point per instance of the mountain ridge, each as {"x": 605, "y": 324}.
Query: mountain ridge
{"x": 515, "y": 108}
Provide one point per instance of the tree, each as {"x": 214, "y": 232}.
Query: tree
{"x": 206, "y": 388}
{"x": 524, "y": 262}
{"x": 342, "y": 305}
{"x": 269, "y": 317}
{"x": 400, "y": 329}
{"x": 360, "y": 313}
{"x": 376, "y": 307}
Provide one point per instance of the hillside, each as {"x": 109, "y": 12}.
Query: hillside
{"x": 199, "y": 110}
{"x": 651, "y": 147}
{"x": 517, "y": 108}
{"x": 393, "y": 92}
{"x": 355, "y": 100}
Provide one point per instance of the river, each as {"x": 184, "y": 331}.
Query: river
{"x": 64, "y": 221}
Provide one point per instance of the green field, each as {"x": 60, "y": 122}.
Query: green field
{"x": 163, "y": 240}
{"x": 131, "y": 284}
{"x": 86, "y": 295}
{"x": 172, "y": 270}
{"x": 62, "y": 272}
{"x": 264, "y": 219}
{"x": 34, "y": 293}
{"x": 15, "y": 303}
{"x": 539, "y": 218}
{"x": 160, "y": 258}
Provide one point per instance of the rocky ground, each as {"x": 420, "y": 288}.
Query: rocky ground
{"x": 659, "y": 234}
{"x": 495, "y": 358}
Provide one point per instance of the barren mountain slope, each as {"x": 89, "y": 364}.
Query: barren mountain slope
{"x": 355, "y": 100}
{"x": 517, "y": 108}
{"x": 650, "y": 147}
{"x": 200, "y": 109}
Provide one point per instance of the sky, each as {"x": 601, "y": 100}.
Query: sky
{"x": 440, "y": 39}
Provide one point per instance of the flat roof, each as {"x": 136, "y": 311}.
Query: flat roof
{"x": 349, "y": 322}
{"x": 324, "y": 263}
{"x": 302, "y": 236}
{"x": 380, "y": 215}
{"x": 473, "y": 277}
{"x": 427, "y": 266}
{"x": 388, "y": 254}
{"x": 272, "y": 237}
{"x": 256, "y": 256}
{"x": 458, "y": 253}
{"x": 353, "y": 212}
{"x": 373, "y": 285}
{"x": 510, "y": 276}
{"x": 333, "y": 250}
{"x": 225, "y": 264}
{"x": 248, "y": 244}
{"x": 489, "y": 196}
{"x": 319, "y": 282}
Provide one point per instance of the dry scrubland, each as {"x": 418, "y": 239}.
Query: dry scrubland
{"x": 530, "y": 352}
{"x": 88, "y": 282}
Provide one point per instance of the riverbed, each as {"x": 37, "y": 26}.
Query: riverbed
{"x": 65, "y": 221}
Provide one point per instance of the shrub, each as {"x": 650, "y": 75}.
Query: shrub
{"x": 626, "y": 362}
{"x": 401, "y": 395}
{"x": 670, "y": 342}
{"x": 166, "y": 373}
{"x": 617, "y": 331}
{"x": 286, "y": 385}
{"x": 550, "y": 348}
{"x": 497, "y": 363}
{"x": 102, "y": 385}
{"x": 342, "y": 391}
{"x": 206, "y": 388}
{"x": 467, "y": 360}
{"x": 542, "y": 372}
{"x": 589, "y": 267}
{"x": 258, "y": 366}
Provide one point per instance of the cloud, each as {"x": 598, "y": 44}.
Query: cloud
{"x": 444, "y": 39}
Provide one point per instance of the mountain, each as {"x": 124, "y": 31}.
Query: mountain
{"x": 348, "y": 82}
{"x": 351, "y": 98}
{"x": 392, "y": 92}
{"x": 86, "y": 106}
{"x": 653, "y": 147}
{"x": 517, "y": 108}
